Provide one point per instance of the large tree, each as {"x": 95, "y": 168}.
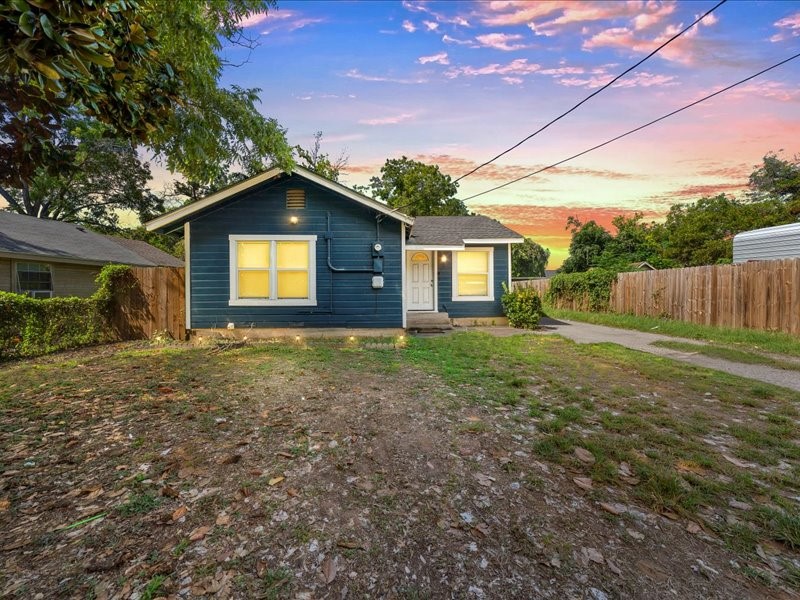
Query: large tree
{"x": 416, "y": 188}
{"x": 777, "y": 179}
{"x": 587, "y": 244}
{"x": 101, "y": 175}
{"x": 528, "y": 259}
{"x": 149, "y": 69}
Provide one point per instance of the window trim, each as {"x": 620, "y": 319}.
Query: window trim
{"x": 490, "y": 278}
{"x": 233, "y": 271}
{"x": 15, "y": 284}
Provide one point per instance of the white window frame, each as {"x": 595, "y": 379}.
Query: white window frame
{"x": 490, "y": 282}
{"x": 234, "y": 300}
{"x": 15, "y": 284}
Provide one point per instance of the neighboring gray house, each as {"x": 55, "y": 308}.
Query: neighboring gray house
{"x": 47, "y": 258}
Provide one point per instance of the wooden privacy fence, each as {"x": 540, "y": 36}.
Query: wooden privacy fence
{"x": 150, "y": 302}
{"x": 755, "y": 295}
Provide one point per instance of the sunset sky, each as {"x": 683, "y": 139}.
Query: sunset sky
{"x": 454, "y": 83}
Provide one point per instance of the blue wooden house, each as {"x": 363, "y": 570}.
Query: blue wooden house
{"x": 297, "y": 250}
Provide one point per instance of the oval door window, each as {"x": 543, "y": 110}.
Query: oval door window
{"x": 419, "y": 257}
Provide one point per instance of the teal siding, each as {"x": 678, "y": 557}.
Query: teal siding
{"x": 343, "y": 299}
{"x": 473, "y": 309}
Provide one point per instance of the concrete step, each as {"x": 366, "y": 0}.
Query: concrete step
{"x": 427, "y": 322}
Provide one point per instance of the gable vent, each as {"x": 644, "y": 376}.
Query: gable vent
{"x": 295, "y": 199}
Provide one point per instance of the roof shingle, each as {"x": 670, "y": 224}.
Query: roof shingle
{"x": 452, "y": 231}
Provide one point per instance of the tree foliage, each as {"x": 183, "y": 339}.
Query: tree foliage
{"x": 320, "y": 162}
{"x": 416, "y": 189}
{"x": 528, "y": 259}
{"x": 588, "y": 242}
{"x": 149, "y": 69}
{"x": 99, "y": 176}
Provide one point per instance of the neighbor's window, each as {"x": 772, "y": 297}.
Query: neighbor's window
{"x": 35, "y": 279}
{"x": 472, "y": 274}
{"x": 273, "y": 270}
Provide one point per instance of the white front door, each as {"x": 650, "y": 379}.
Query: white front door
{"x": 420, "y": 280}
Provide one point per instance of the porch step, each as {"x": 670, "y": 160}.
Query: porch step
{"x": 427, "y": 322}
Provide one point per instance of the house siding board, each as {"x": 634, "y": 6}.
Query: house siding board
{"x": 478, "y": 309}
{"x": 343, "y": 299}
{"x": 5, "y": 275}
{"x": 74, "y": 280}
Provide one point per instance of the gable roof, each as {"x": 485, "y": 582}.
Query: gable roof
{"x": 455, "y": 232}
{"x": 183, "y": 214}
{"x": 31, "y": 238}
{"x": 148, "y": 252}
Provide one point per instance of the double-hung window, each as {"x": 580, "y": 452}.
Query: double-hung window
{"x": 273, "y": 270}
{"x": 34, "y": 279}
{"x": 472, "y": 275}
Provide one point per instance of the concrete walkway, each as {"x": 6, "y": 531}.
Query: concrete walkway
{"x": 586, "y": 333}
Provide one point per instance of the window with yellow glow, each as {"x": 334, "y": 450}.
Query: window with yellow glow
{"x": 472, "y": 275}
{"x": 273, "y": 270}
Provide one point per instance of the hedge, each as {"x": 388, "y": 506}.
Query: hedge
{"x": 589, "y": 290}
{"x": 31, "y": 327}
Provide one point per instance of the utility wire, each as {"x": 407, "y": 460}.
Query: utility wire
{"x": 593, "y": 94}
{"x": 627, "y": 133}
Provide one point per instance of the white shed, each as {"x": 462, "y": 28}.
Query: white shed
{"x": 770, "y": 243}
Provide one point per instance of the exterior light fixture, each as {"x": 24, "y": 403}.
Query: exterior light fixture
{"x": 297, "y": 338}
{"x": 352, "y": 338}
{"x": 444, "y": 258}
{"x": 293, "y": 220}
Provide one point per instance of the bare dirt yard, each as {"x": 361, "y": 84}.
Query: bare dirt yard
{"x": 465, "y": 466}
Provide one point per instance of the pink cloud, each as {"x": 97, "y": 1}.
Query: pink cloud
{"x": 642, "y": 79}
{"x": 285, "y": 20}
{"x": 501, "y": 41}
{"x": 451, "y": 40}
{"x": 431, "y": 25}
{"x": 789, "y": 27}
{"x": 390, "y": 120}
{"x": 439, "y": 59}
{"x": 422, "y": 7}
{"x": 512, "y": 80}
{"x": 520, "y": 66}
{"x": 520, "y": 12}
{"x": 684, "y": 50}
{"x": 659, "y": 13}
{"x": 409, "y": 26}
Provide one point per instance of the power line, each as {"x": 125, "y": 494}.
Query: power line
{"x": 627, "y": 133}
{"x": 593, "y": 94}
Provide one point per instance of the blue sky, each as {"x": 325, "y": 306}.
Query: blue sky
{"x": 454, "y": 83}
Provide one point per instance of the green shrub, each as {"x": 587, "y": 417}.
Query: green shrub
{"x": 522, "y": 306}
{"x": 31, "y": 327}
{"x": 590, "y": 290}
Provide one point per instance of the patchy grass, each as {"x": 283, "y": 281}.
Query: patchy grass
{"x": 731, "y": 354}
{"x": 746, "y": 339}
{"x": 250, "y": 466}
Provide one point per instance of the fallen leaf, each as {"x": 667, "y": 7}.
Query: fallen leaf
{"x": 165, "y": 389}
{"x": 223, "y": 519}
{"x": 351, "y": 545}
{"x": 688, "y": 466}
{"x": 5, "y": 504}
{"x": 737, "y": 462}
{"x": 593, "y": 555}
{"x": 231, "y": 460}
{"x": 169, "y": 492}
{"x": 481, "y": 528}
{"x": 740, "y": 505}
{"x": 179, "y": 512}
{"x": 484, "y": 480}
{"x": 329, "y": 568}
{"x": 693, "y": 527}
{"x": 583, "y": 455}
{"x": 293, "y": 492}
{"x": 276, "y": 480}
{"x": 284, "y": 454}
{"x": 614, "y": 509}
{"x": 583, "y": 482}
{"x": 613, "y": 568}
{"x": 199, "y": 533}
